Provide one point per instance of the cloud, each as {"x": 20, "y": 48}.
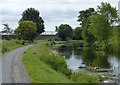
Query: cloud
{"x": 53, "y": 12}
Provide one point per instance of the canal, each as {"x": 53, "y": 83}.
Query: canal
{"x": 75, "y": 55}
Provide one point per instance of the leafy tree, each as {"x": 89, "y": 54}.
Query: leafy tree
{"x": 65, "y": 31}
{"x": 77, "y": 33}
{"x": 83, "y": 18}
{"x": 108, "y": 11}
{"x": 26, "y": 30}
{"x": 7, "y": 29}
{"x": 33, "y": 15}
{"x": 100, "y": 28}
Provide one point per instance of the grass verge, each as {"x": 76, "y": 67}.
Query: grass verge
{"x": 9, "y": 45}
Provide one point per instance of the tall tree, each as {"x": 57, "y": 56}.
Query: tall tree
{"x": 26, "y": 30}
{"x": 83, "y": 18}
{"x": 100, "y": 28}
{"x": 65, "y": 31}
{"x": 7, "y": 29}
{"x": 33, "y": 15}
{"x": 108, "y": 11}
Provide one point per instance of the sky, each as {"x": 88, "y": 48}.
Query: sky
{"x": 53, "y": 12}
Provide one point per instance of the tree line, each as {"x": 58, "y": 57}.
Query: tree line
{"x": 96, "y": 26}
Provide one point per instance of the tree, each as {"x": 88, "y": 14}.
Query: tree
{"x": 108, "y": 11}
{"x": 33, "y": 15}
{"x": 100, "y": 28}
{"x": 7, "y": 29}
{"x": 26, "y": 30}
{"x": 83, "y": 18}
{"x": 65, "y": 31}
{"x": 77, "y": 33}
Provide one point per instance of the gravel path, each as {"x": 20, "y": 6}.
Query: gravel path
{"x": 12, "y": 68}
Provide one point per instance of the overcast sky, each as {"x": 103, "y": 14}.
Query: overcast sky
{"x": 53, "y": 12}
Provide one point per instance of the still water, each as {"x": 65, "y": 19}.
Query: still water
{"x": 76, "y": 55}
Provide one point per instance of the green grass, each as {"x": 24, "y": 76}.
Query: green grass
{"x": 41, "y": 72}
{"x": 43, "y": 66}
{"x": 9, "y": 45}
{"x": 63, "y": 42}
{"x": 85, "y": 78}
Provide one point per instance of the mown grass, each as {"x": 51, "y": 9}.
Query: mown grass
{"x": 43, "y": 66}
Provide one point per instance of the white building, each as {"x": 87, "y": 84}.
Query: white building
{"x": 49, "y": 33}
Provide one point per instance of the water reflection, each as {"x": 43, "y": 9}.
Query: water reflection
{"x": 75, "y": 56}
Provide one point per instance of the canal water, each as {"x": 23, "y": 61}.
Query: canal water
{"x": 76, "y": 55}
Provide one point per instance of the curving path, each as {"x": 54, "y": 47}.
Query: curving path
{"x": 12, "y": 67}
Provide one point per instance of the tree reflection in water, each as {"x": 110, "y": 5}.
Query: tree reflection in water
{"x": 74, "y": 53}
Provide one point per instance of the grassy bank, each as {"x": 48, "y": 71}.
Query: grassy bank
{"x": 9, "y": 45}
{"x": 43, "y": 66}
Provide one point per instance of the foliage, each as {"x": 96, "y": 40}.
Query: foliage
{"x": 77, "y": 34}
{"x": 100, "y": 28}
{"x": 115, "y": 40}
{"x": 26, "y": 30}
{"x": 107, "y": 16}
{"x": 32, "y": 14}
{"x": 7, "y": 29}
{"x": 84, "y": 14}
{"x": 83, "y": 18}
{"x": 65, "y": 31}
{"x": 108, "y": 11}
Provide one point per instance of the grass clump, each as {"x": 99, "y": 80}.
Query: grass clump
{"x": 85, "y": 78}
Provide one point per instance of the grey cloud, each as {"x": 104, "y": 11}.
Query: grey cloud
{"x": 54, "y": 12}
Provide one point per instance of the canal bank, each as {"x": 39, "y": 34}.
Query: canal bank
{"x": 76, "y": 55}
{"x": 43, "y": 66}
